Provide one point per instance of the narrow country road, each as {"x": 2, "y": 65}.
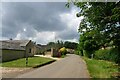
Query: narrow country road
{"x": 71, "y": 66}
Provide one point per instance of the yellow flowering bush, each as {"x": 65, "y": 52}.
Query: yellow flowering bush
{"x": 63, "y": 50}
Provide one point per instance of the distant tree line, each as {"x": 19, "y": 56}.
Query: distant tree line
{"x": 67, "y": 44}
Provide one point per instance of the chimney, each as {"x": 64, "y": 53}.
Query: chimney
{"x": 11, "y": 39}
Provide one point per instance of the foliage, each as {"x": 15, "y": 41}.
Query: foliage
{"x": 63, "y": 56}
{"x": 100, "y": 25}
{"x": 107, "y": 54}
{"x": 101, "y": 68}
{"x": 88, "y": 43}
{"x": 70, "y": 45}
{"x": 56, "y": 45}
{"x": 63, "y": 51}
{"x": 77, "y": 52}
{"x": 51, "y": 43}
{"x": 59, "y": 44}
{"x": 103, "y": 17}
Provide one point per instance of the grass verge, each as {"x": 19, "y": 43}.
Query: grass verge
{"x": 101, "y": 68}
{"x": 32, "y": 62}
{"x": 63, "y": 56}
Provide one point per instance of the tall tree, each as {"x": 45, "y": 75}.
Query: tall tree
{"x": 103, "y": 17}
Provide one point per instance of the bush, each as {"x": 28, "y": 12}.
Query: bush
{"x": 107, "y": 54}
{"x": 77, "y": 52}
{"x": 63, "y": 51}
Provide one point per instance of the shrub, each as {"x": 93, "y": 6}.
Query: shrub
{"x": 107, "y": 54}
{"x": 77, "y": 52}
{"x": 63, "y": 51}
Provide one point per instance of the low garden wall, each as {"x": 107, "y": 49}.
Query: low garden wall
{"x": 55, "y": 53}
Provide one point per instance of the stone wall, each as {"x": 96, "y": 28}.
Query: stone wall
{"x": 48, "y": 53}
{"x": 55, "y": 53}
{"x": 8, "y": 55}
{"x": 30, "y": 49}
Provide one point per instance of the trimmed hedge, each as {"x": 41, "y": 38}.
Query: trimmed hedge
{"x": 107, "y": 54}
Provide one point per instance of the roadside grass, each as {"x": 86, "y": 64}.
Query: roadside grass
{"x": 101, "y": 68}
{"x": 63, "y": 56}
{"x": 32, "y": 62}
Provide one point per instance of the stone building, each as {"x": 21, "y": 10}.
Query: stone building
{"x": 14, "y": 49}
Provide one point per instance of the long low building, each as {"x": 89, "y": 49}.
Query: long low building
{"x": 15, "y": 49}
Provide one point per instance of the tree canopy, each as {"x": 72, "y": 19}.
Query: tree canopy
{"x": 100, "y": 26}
{"x": 71, "y": 45}
{"x": 101, "y": 17}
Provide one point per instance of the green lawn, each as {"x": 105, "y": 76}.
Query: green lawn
{"x": 32, "y": 62}
{"x": 100, "y": 68}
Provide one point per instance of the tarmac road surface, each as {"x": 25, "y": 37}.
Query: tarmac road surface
{"x": 71, "y": 66}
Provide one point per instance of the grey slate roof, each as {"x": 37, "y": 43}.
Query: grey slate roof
{"x": 13, "y": 44}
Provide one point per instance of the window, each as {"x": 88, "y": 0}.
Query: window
{"x": 29, "y": 50}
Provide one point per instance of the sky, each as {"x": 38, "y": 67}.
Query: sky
{"x": 41, "y": 22}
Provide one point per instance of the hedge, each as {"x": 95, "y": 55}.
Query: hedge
{"x": 107, "y": 54}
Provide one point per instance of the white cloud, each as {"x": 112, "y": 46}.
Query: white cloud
{"x": 41, "y": 37}
{"x": 34, "y": 0}
{"x": 32, "y": 23}
{"x": 18, "y": 36}
{"x": 73, "y": 40}
{"x": 72, "y": 25}
{"x": 71, "y": 20}
{"x": 44, "y": 37}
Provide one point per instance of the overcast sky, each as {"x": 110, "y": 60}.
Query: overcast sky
{"x": 39, "y": 21}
